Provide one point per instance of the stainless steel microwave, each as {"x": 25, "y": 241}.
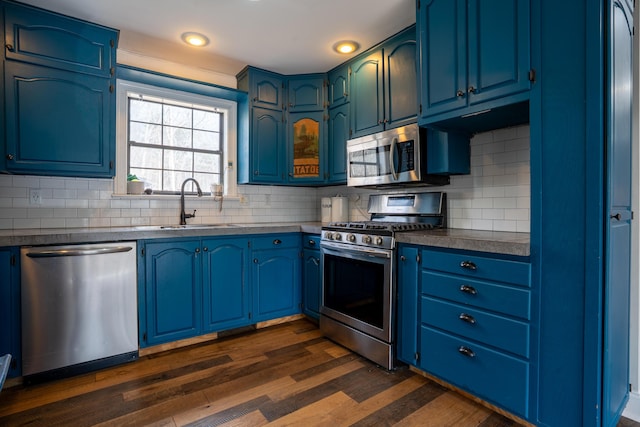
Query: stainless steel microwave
{"x": 395, "y": 156}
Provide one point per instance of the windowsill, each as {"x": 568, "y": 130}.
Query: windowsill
{"x": 170, "y": 197}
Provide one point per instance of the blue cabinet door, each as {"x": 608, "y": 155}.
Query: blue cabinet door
{"x": 337, "y": 150}
{"x": 57, "y": 122}
{"x": 498, "y": 46}
{"x": 367, "y": 94}
{"x": 338, "y": 93}
{"x": 267, "y": 146}
{"x": 408, "y": 291}
{"x": 275, "y": 277}
{"x": 311, "y": 275}
{"x": 225, "y": 283}
{"x": 400, "y": 80}
{"x": 306, "y": 93}
{"x": 615, "y": 375}
{"x": 173, "y": 289}
{"x": 39, "y": 37}
{"x": 10, "y": 309}
{"x": 442, "y": 55}
{"x": 266, "y": 90}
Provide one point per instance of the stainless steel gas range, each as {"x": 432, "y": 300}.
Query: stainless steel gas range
{"x": 358, "y": 308}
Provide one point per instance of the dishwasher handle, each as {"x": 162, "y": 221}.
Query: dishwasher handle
{"x": 78, "y": 252}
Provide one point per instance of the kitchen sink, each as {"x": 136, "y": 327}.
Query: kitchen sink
{"x": 195, "y": 226}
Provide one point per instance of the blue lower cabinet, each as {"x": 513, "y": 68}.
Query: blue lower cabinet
{"x": 275, "y": 276}
{"x": 311, "y": 275}
{"x": 172, "y": 289}
{"x": 225, "y": 283}
{"x": 10, "y": 342}
{"x": 494, "y": 376}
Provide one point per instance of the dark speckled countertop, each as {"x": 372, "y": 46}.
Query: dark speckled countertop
{"x": 475, "y": 240}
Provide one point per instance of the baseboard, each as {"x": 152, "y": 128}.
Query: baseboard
{"x": 632, "y": 411}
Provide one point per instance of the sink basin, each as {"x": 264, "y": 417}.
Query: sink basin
{"x": 195, "y": 226}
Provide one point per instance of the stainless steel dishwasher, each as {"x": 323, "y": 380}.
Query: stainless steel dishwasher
{"x": 79, "y": 308}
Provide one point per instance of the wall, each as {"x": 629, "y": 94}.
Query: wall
{"x": 77, "y": 202}
{"x": 495, "y": 196}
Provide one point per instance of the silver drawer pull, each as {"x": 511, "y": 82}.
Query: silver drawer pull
{"x": 468, "y": 265}
{"x": 277, "y": 241}
{"x": 466, "y": 351}
{"x": 468, "y": 290}
{"x": 312, "y": 242}
{"x": 467, "y": 318}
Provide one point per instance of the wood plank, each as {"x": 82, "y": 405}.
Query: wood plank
{"x": 318, "y": 413}
{"x": 447, "y": 410}
{"x": 253, "y": 419}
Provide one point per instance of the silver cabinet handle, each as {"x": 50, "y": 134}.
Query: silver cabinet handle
{"x": 468, "y": 290}
{"x": 467, "y": 318}
{"x": 78, "y": 252}
{"x": 394, "y": 141}
{"x": 466, "y": 351}
{"x": 468, "y": 265}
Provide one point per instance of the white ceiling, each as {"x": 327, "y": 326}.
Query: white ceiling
{"x": 285, "y": 36}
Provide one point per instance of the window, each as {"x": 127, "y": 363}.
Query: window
{"x": 165, "y": 136}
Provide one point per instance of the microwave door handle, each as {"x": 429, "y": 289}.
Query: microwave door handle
{"x": 394, "y": 141}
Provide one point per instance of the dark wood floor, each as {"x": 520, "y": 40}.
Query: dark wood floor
{"x": 282, "y": 375}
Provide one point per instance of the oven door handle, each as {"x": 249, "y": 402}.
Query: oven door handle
{"x": 392, "y": 151}
{"x": 340, "y": 250}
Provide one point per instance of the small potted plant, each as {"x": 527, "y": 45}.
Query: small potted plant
{"x": 134, "y": 185}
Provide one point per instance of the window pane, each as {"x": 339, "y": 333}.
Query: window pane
{"x": 206, "y": 162}
{"x": 142, "y": 157}
{"x": 177, "y": 137}
{"x": 145, "y": 133}
{"x": 177, "y": 116}
{"x": 145, "y": 111}
{"x": 173, "y": 181}
{"x": 152, "y": 178}
{"x": 206, "y": 180}
{"x": 206, "y": 120}
{"x": 178, "y": 160}
{"x": 206, "y": 140}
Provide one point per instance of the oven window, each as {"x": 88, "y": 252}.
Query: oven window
{"x": 355, "y": 288}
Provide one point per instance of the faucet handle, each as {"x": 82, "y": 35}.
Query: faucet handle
{"x": 193, "y": 215}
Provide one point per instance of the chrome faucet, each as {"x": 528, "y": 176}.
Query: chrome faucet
{"x": 183, "y": 215}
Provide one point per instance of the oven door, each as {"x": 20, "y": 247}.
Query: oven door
{"x": 358, "y": 288}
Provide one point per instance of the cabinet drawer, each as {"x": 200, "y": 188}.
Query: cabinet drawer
{"x": 515, "y": 272}
{"x": 496, "y": 377}
{"x": 486, "y": 295}
{"x": 276, "y": 241}
{"x": 53, "y": 40}
{"x": 311, "y": 241}
{"x": 497, "y": 331}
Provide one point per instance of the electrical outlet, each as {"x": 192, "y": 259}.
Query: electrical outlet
{"x": 35, "y": 197}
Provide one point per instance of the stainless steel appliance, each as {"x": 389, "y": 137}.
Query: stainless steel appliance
{"x": 79, "y": 308}
{"x": 395, "y": 156}
{"x": 358, "y": 271}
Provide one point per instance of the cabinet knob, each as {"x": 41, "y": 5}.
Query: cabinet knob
{"x": 256, "y": 173}
{"x": 345, "y": 94}
{"x": 460, "y": 93}
{"x": 205, "y": 249}
{"x": 255, "y": 99}
{"x": 197, "y": 250}
{"x": 468, "y": 265}
{"x": 403, "y": 258}
{"x": 291, "y": 105}
{"x": 10, "y": 156}
{"x": 616, "y": 216}
{"x": 468, "y": 290}
{"x": 9, "y": 47}
{"x": 255, "y": 260}
{"x": 467, "y": 318}
{"x": 466, "y": 351}
{"x": 277, "y": 241}
{"x": 472, "y": 89}
{"x": 312, "y": 242}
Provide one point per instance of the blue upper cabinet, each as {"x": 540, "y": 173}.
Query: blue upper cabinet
{"x": 267, "y": 151}
{"x": 338, "y": 93}
{"x": 367, "y": 94}
{"x": 338, "y": 136}
{"x": 306, "y": 147}
{"x": 306, "y": 93}
{"x": 473, "y": 55}
{"x": 400, "y": 75}
{"x": 59, "y": 102}
{"x": 383, "y": 86}
{"x": 267, "y": 90}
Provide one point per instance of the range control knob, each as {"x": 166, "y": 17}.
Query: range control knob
{"x": 328, "y": 235}
{"x": 366, "y": 240}
{"x": 351, "y": 237}
{"x": 337, "y": 236}
{"x": 379, "y": 241}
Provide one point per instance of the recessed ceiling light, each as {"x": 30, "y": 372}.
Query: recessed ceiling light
{"x": 195, "y": 39}
{"x": 346, "y": 46}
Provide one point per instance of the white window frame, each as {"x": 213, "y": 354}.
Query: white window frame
{"x": 230, "y": 108}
